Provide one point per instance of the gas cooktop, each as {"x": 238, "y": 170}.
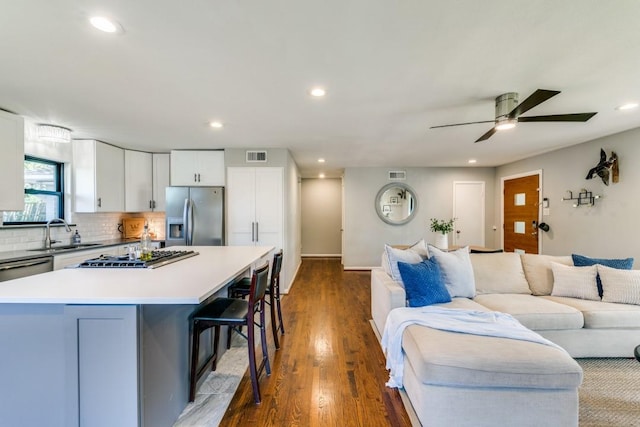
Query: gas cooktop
{"x": 158, "y": 259}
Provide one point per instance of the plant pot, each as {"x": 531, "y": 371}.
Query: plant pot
{"x": 442, "y": 241}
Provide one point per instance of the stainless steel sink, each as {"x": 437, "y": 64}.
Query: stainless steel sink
{"x": 66, "y": 247}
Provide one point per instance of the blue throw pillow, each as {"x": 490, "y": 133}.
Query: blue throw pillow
{"x": 423, "y": 283}
{"x": 620, "y": 264}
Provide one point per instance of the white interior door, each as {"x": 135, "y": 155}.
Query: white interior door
{"x": 468, "y": 209}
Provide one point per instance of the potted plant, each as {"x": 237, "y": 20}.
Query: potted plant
{"x": 443, "y": 228}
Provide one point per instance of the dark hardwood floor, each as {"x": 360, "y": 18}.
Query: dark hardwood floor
{"x": 329, "y": 370}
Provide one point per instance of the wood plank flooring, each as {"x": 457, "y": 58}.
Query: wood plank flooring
{"x": 329, "y": 370}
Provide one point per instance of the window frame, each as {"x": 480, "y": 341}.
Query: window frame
{"x": 59, "y": 184}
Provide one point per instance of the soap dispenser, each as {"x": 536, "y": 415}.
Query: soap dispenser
{"x": 76, "y": 238}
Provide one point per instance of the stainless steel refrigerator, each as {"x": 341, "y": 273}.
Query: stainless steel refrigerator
{"x": 194, "y": 216}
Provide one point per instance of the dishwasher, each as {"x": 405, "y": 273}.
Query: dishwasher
{"x": 27, "y": 267}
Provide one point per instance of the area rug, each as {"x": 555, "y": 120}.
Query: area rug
{"x": 610, "y": 393}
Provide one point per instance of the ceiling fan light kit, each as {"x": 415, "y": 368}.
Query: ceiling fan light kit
{"x": 508, "y": 112}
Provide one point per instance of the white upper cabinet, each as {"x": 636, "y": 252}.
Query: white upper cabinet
{"x": 161, "y": 180}
{"x": 99, "y": 176}
{"x": 11, "y": 162}
{"x": 138, "y": 182}
{"x": 197, "y": 168}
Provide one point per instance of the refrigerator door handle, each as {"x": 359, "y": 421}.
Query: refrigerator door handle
{"x": 191, "y": 224}
{"x": 185, "y": 220}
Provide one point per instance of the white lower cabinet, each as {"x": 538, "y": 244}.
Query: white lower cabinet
{"x": 255, "y": 206}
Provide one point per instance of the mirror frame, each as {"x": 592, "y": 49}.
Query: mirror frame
{"x": 378, "y": 205}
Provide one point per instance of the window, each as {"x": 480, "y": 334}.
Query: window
{"x": 43, "y": 193}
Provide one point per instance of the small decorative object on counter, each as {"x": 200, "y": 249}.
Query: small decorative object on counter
{"x": 145, "y": 244}
{"x": 76, "y": 239}
{"x": 443, "y": 228}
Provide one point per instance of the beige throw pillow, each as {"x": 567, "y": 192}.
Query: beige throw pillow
{"x": 499, "y": 273}
{"x": 537, "y": 270}
{"x": 621, "y": 286}
{"x": 575, "y": 282}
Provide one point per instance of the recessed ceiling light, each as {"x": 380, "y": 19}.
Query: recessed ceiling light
{"x": 320, "y": 160}
{"x": 216, "y": 125}
{"x": 105, "y": 24}
{"x": 318, "y": 92}
{"x": 472, "y": 161}
{"x": 629, "y": 106}
{"x": 321, "y": 176}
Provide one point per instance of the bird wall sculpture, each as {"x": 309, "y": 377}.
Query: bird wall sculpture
{"x": 605, "y": 168}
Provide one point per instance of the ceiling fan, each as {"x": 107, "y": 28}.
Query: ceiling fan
{"x": 508, "y": 112}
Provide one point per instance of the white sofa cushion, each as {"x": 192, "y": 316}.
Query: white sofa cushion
{"x": 537, "y": 270}
{"x": 499, "y": 273}
{"x": 601, "y": 315}
{"x": 533, "y": 312}
{"x": 464, "y": 360}
{"x": 575, "y": 282}
{"x": 457, "y": 271}
{"x": 621, "y": 286}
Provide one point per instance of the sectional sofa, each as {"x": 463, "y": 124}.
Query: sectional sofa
{"x": 546, "y": 294}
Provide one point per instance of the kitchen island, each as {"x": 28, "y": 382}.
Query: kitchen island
{"x": 107, "y": 346}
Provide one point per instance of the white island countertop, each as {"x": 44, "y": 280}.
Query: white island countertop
{"x": 187, "y": 281}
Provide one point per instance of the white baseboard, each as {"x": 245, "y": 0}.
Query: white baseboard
{"x": 357, "y": 268}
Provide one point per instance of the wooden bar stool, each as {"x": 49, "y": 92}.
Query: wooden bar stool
{"x": 240, "y": 289}
{"x": 234, "y": 313}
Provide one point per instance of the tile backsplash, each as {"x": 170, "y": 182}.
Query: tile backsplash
{"x": 93, "y": 227}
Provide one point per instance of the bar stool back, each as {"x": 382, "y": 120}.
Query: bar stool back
{"x": 234, "y": 313}
{"x": 240, "y": 289}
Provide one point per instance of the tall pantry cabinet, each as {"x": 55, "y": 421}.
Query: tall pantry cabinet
{"x": 255, "y": 206}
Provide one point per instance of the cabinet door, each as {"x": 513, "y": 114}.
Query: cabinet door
{"x": 138, "y": 186}
{"x": 241, "y": 206}
{"x": 161, "y": 180}
{"x": 11, "y": 162}
{"x": 268, "y": 198}
{"x": 197, "y": 168}
{"x": 210, "y": 168}
{"x": 183, "y": 167}
{"x": 109, "y": 175}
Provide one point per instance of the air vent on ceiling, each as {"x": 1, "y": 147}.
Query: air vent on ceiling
{"x": 397, "y": 175}
{"x": 256, "y": 156}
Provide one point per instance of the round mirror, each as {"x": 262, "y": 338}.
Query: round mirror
{"x": 396, "y": 203}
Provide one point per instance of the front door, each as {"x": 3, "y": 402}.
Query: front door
{"x": 521, "y": 209}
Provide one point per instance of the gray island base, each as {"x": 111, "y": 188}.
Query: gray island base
{"x": 105, "y": 347}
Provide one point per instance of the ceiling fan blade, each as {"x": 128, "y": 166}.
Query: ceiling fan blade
{"x": 577, "y": 117}
{"x": 487, "y": 135}
{"x": 536, "y": 98}
{"x": 462, "y": 124}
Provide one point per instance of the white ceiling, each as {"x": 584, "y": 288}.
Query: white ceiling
{"x": 392, "y": 69}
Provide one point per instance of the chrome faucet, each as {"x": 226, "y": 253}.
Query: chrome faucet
{"x": 47, "y": 237}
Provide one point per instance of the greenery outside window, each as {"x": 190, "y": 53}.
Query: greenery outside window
{"x": 43, "y": 193}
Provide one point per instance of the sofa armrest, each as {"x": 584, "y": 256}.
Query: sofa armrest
{"x": 386, "y": 294}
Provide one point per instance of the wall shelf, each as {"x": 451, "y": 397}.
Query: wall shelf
{"x": 584, "y": 198}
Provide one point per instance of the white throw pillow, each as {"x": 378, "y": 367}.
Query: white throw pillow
{"x": 622, "y": 286}
{"x": 420, "y": 247}
{"x": 575, "y": 282}
{"x": 457, "y": 271}
{"x": 404, "y": 255}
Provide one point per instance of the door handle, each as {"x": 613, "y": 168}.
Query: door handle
{"x": 257, "y": 232}
{"x": 195, "y": 177}
{"x": 253, "y": 231}
{"x": 99, "y": 202}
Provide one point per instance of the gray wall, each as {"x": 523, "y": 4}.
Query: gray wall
{"x": 608, "y": 229}
{"x": 321, "y": 217}
{"x": 365, "y": 234}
